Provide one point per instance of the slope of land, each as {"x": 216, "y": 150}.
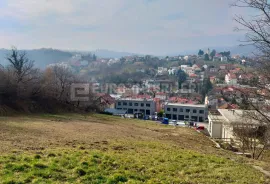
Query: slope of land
{"x": 104, "y": 149}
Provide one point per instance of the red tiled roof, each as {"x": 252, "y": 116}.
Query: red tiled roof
{"x": 106, "y": 97}
{"x": 232, "y": 75}
{"x": 142, "y": 96}
{"x": 192, "y": 75}
{"x": 232, "y": 106}
{"x": 182, "y": 100}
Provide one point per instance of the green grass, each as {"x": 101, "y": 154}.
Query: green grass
{"x": 124, "y": 162}
{"x": 105, "y": 149}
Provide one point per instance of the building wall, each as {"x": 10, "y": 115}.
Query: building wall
{"x": 227, "y": 132}
{"x": 192, "y": 113}
{"x": 215, "y": 129}
{"x": 147, "y": 107}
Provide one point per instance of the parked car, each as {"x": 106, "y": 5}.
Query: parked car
{"x": 146, "y": 117}
{"x": 182, "y": 124}
{"x": 200, "y": 128}
{"x": 165, "y": 121}
{"x": 174, "y": 122}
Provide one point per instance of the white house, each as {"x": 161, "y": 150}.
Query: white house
{"x": 223, "y": 121}
{"x": 188, "y": 70}
{"x": 213, "y": 70}
{"x": 231, "y": 79}
{"x": 224, "y": 59}
{"x": 162, "y": 70}
{"x": 182, "y": 67}
{"x": 172, "y": 71}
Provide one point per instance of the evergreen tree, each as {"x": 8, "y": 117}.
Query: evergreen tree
{"x": 94, "y": 57}
{"x": 213, "y": 53}
{"x": 201, "y": 53}
{"x": 182, "y": 77}
{"x": 206, "y": 57}
{"x": 207, "y": 86}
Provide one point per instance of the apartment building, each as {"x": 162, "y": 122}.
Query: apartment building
{"x": 189, "y": 112}
{"x": 136, "y": 105}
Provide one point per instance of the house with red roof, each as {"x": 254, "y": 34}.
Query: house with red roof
{"x": 105, "y": 100}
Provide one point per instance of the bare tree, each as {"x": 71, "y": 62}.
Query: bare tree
{"x": 252, "y": 133}
{"x": 22, "y": 67}
{"x": 257, "y": 33}
{"x": 23, "y": 88}
{"x": 63, "y": 78}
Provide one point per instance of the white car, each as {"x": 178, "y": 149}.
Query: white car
{"x": 182, "y": 124}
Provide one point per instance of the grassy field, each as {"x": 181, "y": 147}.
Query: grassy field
{"x": 103, "y": 149}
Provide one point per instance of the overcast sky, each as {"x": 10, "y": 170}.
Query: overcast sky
{"x": 140, "y": 26}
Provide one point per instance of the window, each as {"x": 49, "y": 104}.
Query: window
{"x": 169, "y": 116}
{"x": 187, "y": 110}
{"x": 148, "y": 105}
{"x": 181, "y": 110}
{"x": 181, "y": 117}
{"x": 124, "y": 103}
{"x": 168, "y": 109}
{"x": 194, "y": 111}
{"x": 194, "y": 118}
{"x": 201, "y": 111}
{"x": 174, "y": 109}
{"x": 142, "y": 104}
{"x": 119, "y": 103}
{"x": 136, "y": 104}
{"x": 130, "y": 104}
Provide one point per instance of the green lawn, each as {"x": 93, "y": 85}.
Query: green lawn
{"x": 104, "y": 149}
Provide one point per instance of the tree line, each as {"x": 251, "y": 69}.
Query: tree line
{"x": 28, "y": 89}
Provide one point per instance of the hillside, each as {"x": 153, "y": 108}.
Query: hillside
{"x": 111, "y": 54}
{"x": 104, "y": 149}
{"x": 42, "y": 57}
{"x": 235, "y": 50}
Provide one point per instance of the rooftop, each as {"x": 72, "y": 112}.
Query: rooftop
{"x": 136, "y": 99}
{"x": 237, "y": 116}
{"x": 187, "y": 105}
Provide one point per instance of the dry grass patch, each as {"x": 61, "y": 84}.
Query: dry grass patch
{"x": 104, "y": 149}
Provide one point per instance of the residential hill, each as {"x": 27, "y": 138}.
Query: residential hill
{"x": 235, "y": 50}
{"x": 112, "y": 54}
